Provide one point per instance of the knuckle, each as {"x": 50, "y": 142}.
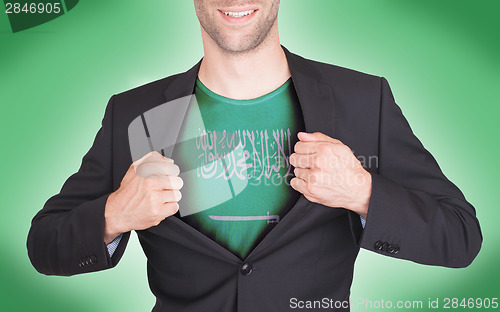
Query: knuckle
{"x": 175, "y": 169}
{"x": 298, "y": 146}
{"x": 323, "y": 148}
{"x": 155, "y": 155}
{"x": 300, "y": 161}
{"x": 327, "y": 149}
{"x": 177, "y": 195}
{"x": 179, "y": 182}
{"x": 142, "y": 170}
{"x": 292, "y": 159}
{"x": 143, "y": 166}
{"x": 345, "y": 150}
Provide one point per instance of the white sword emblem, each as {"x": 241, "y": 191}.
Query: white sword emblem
{"x": 269, "y": 218}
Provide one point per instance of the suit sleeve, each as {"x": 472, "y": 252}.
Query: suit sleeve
{"x": 67, "y": 236}
{"x": 415, "y": 212}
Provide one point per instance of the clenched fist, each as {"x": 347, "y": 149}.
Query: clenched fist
{"x": 148, "y": 193}
{"x": 328, "y": 173}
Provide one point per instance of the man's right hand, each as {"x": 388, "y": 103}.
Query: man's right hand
{"x": 148, "y": 193}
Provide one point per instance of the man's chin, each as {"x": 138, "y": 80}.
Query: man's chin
{"x": 239, "y": 47}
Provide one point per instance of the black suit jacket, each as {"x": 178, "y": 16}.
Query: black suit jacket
{"x": 415, "y": 212}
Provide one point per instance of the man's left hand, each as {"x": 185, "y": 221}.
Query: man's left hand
{"x": 328, "y": 173}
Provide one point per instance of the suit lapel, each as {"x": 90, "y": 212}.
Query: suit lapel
{"x": 183, "y": 84}
{"x": 317, "y": 104}
{"x": 315, "y": 97}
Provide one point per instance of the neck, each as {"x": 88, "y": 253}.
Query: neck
{"x": 245, "y": 75}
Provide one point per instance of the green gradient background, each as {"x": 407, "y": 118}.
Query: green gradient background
{"x": 440, "y": 57}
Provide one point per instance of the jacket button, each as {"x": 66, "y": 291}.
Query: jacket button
{"x": 93, "y": 260}
{"x": 390, "y": 249}
{"x": 378, "y": 245}
{"x": 246, "y": 269}
{"x": 384, "y": 246}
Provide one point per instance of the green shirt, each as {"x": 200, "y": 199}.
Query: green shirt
{"x": 235, "y": 165}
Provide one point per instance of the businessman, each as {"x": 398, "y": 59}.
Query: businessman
{"x": 305, "y": 126}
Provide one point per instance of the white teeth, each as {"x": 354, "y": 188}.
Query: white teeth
{"x": 239, "y": 14}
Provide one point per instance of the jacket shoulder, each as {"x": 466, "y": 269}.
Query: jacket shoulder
{"x": 340, "y": 75}
{"x": 152, "y": 89}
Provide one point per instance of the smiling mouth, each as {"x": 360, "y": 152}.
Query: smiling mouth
{"x": 238, "y": 14}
